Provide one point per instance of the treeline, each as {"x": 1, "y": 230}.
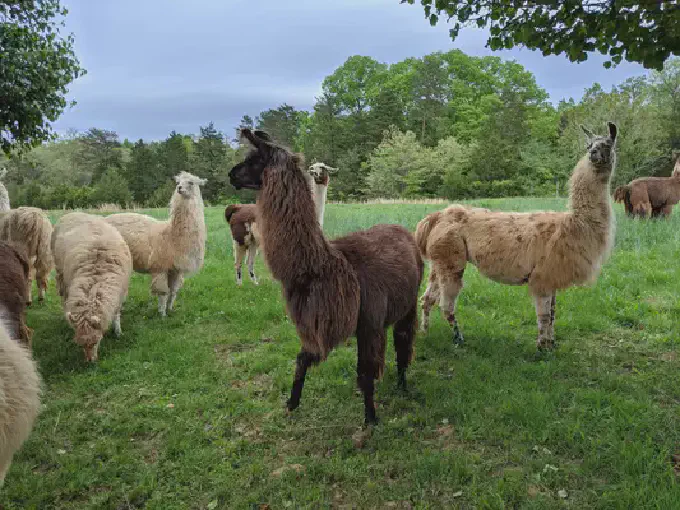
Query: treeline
{"x": 447, "y": 125}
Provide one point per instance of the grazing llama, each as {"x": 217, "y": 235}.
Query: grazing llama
{"x": 4, "y": 196}
{"x": 93, "y": 273}
{"x": 242, "y": 220}
{"x": 548, "y": 251}
{"x": 357, "y": 284}
{"x": 31, "y": 228}
{"x": 19, "y": 398}
{"x": 651, "y": 196}
{"x": 14, "y": 291}
{"x": 172, "y": 249}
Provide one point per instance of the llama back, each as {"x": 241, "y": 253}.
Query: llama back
{"x": 137, "y": 231}
{"x": 30, "y": 227}
{"x": 95, "y": 265}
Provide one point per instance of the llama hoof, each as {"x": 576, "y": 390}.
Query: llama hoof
{"x": 371, "y": 420}
{"x": 292, "y": 406}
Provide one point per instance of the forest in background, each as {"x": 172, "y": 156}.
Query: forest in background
{"x": 446, "y": 125}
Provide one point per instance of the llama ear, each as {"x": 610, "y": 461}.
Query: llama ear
{"x": 201, "y": 182}
{"x": 612, "y": 131}
{"x": 589, "y": 134}
{"x": 331, "y": 170}
{"x": 257, "y": 141}
{"x": 262, "y": 135}
{"x": 176, "y": 177}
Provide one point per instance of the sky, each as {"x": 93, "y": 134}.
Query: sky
{"x": 154, "y": 66}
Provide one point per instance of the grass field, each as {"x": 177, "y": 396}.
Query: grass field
{"x": 188, "y": 412}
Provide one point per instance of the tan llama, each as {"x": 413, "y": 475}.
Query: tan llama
{"x": 548, "y": 251}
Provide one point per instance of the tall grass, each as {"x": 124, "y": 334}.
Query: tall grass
{"x": 188, "y": 412}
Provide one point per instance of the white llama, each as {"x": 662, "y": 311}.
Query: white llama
{"x": 171, "y": 249}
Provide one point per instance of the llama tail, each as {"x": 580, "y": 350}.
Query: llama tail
{"x": 230, "y": 210}
{"x": 423, "y": 230}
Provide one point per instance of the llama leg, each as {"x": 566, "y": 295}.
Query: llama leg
{"x": 174, "y": 284}
{"x": 450, "y": 284}
{"x": 252, "y": 251}
{"x": 428, "y": 300}
{"x": 116, "y": 324}
{"x": 543, "y": 306}
{"x": 403, "y": 333}
{"x": 31, "y": 277}
{"x": 303, "y": 362}
{"x": 159, "y": 286}
{"x": 552, "y": 317}
{"x": 239, "y": 251}
{"x": 367, "y": 342}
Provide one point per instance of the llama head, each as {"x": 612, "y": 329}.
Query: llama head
{"x": 188, "y": 185}
{"x": 264, "y": 155}
{"x": 88, "y": 334}
{"x": 321, "y": 172}
{"x": 601, "y": 149}
{"x": 676, "y": 168}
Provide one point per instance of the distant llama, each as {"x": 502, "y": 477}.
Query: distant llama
{"x": 94, "y": 266}
{"x": 4, "y": 196}
{"x": 31, "y": 228}
{"x": 242, "y": 220}
{"x": 171, "y": 249}
{"x": 19, "y": 398}
{"x": 651, "y": 196}
{"x": 357, "y": 284}
{"x": 548, "y": 251}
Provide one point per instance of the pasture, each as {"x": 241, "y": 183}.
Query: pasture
{"x": 188, "y": 412}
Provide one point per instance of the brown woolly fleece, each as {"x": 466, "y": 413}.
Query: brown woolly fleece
{"x": 357, "y": 284}
{"x": 14, "y": 269}
{"x": 548, "y": 251}
{"x": 651, "y": 196}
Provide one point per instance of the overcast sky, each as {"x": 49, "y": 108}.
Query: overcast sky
{"x": 158, "y": 65}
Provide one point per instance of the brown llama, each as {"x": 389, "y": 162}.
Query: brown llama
{"x": 548, "y": 251}
{"x": 14, "y": 271}
{"x": 242, "y": 220}
{"x": 357, "y": 284}
{"x": 244, "y": 235}
{"x": 651, "y": 196}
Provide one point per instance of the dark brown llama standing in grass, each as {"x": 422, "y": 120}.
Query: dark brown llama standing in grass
{"x": 14, "y": 269}
{"x": 358, "y": 284}
{"x": 651, "y": 196}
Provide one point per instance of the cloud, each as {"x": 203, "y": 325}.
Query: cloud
{"x": 155, "y": 65}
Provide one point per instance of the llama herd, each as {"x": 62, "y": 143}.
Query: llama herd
{"x": 355, "y": 285}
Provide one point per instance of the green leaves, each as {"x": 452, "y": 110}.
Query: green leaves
{"x": 645, "y": 32}
{"x": 37, "y": 66}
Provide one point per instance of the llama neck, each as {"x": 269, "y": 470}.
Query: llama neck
{"x": 320, "y": 191}
{"x": 294, "y": 245}
{"x": 589, "y": 200}
{"x": 187, "y": 232}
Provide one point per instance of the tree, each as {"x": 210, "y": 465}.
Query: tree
{"x": 644, "y": 32}
{"x": 174, "y": 155}
{"x": 37, "y": 66}
{"x": 142, "y": 173}
{"x": 209, "y": 159}
{"x": 282, "y": 124}
{"x": 99, "y": 151}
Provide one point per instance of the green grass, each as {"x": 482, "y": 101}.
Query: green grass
{"x": 188, "y": 412}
